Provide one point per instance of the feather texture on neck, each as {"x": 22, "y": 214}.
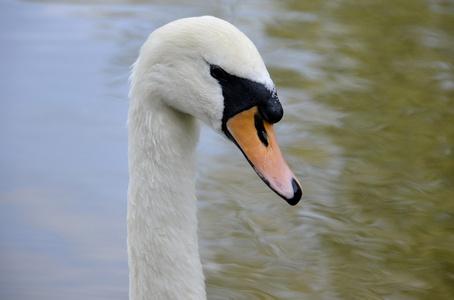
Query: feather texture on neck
{"x": 162, "y": 222}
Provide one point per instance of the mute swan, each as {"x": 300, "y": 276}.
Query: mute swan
{"x": 195, "y": 68}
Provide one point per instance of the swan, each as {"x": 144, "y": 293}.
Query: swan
{"x": 200, "y": 68}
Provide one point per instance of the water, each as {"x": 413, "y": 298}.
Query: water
{"x": 367, "y": 89}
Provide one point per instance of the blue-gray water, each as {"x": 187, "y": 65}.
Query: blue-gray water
{"x": 368, "y": 93}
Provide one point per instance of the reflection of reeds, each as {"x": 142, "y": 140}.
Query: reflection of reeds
{"x": 384, "y": 67}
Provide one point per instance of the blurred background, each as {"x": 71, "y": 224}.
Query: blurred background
{"x": 368, "y": 94}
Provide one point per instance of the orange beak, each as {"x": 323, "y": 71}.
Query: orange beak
{"x": 256, "y": 139}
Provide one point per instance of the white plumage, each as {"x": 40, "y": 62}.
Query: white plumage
{"x": 171, "y": 87}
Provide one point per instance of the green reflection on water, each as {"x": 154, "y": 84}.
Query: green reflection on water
{"x": 385, "y": 229}
{"x": 388, "y": 65}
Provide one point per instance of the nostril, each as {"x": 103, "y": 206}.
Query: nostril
{"x": 261, "y": 132}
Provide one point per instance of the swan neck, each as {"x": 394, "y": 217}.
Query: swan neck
{"x": 162, "y": 214}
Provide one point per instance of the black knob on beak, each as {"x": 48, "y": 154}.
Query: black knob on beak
{"x": 271, "y": 110}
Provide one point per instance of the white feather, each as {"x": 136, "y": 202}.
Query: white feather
{"x": 171, "y": 87}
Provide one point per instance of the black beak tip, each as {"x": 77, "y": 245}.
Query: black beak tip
{"x": 297, "y": 193}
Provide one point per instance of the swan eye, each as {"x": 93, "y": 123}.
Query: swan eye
{"x": 218, "y": 73}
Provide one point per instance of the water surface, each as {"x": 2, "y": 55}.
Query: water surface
{"x": 367, "y": 89}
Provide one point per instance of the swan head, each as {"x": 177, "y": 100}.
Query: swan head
{"x": 207, "y": 68}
